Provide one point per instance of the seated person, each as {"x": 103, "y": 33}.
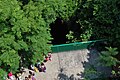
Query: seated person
{"x": 50, "y": 56}
{"x": 32, "y": 67}
{"x": 43, "y": 68}
{"x": 46, "y": 58}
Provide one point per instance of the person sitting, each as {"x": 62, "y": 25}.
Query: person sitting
{"x": 43, "y": 68}
{"x": 32, "y": 67}
{"x": 46, "y": 58}
{"x": 50, "y": 56}
{"x": 10, "y": 75}
{"x": 33, "y": 78}
{"x": 18, "y": 76}
{"x": 37, "y": 64}
{"x": 26, "y": 78}
{"x": 29, "y": 77}
{"x": 39, "y": 68}
{"x": 36, "y": 69}
{"x": 22, "y": 70}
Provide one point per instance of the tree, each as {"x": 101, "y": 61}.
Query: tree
{"x": 107, "y": 57}
{"x": 3, "y": 74}
{"x": 96, "y": 19}
{"x": 106, "y": 21}
{"x": 9, "y": 58}
{"x": 39, "y": 36}
{"x": 24, "y": 34}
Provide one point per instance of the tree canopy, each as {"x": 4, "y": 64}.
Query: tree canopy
{"x": 25, "y": 26}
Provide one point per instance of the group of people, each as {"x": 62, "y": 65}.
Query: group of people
{"x": 40, "y": 66}
{"x": 30, "y": 76}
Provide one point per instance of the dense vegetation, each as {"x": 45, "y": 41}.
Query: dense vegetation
{"x": 25, "y": 27}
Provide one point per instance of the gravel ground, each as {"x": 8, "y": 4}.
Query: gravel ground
{"x": 69, "y": 65}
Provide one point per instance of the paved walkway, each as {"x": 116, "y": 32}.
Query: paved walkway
{"x": 68, "y": 65}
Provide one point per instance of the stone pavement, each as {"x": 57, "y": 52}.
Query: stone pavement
{"x": 64, "y": 65}
{"x": 68, "y": 65}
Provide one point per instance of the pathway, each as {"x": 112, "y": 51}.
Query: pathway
{"x": 69, "y": 65}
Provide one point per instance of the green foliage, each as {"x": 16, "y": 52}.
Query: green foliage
{"x": 86, "y": 35}
{"x": 70, "y": 37}
{"x": 86, "y": 20}
{"x": 113, "y": 72}
{"x": 9, "y": 57}
{"x": 97, "y": 19}
{"x": 106, "y": 19}
{"x": 90, "y": 72}
{"x": 81, "y": 21}
{"x": 39, "y": 36}
{"x": 25, "y": 32}
{"x": 24, "y": 35}
{"x": 107, "y": 57}
{"x": 3, "y": 74}
{"x": 65, "y": 8}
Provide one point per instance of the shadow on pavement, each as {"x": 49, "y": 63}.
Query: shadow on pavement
{"x": 93, "y": 69}
{"x": 63, "y": 76}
